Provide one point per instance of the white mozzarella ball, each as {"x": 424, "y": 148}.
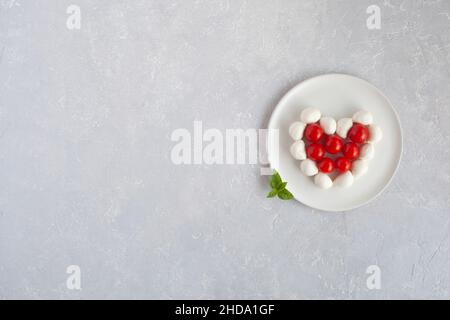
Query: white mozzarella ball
{"x": 367, "y": 152}
{"x": 343, "y": 125}
{"x": 359, "y": 168}
{"x": 310, "y": 115}
{"x": 328, "y": 125}
{"x": 298, "y": 150}
{"x": 344, "y": 180}
{"x": 363, "y": 117}
{"x": 296, "y": 130}
{"x": 375, "y": 133}
{"x": 309, "y": 167}
{"x": 323, "y": 181}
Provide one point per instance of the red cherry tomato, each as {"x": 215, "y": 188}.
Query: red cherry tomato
{"x": 333, "y": 144}
{"x": 315, "y": 151}
{"x": 351, "y": 151}
{"x": 358, "y": 133}
{"x": 343, "y": 164}
{"x": 325, "y": 165}
{"x": 313, "y": 132}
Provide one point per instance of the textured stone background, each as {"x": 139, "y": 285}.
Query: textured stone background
{"x": 85, "y": 171}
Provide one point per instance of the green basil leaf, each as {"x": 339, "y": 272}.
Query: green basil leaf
{"x": 285, "y": 195}
{"x": 275, "y": 181}
{"x": 272, "y": 193}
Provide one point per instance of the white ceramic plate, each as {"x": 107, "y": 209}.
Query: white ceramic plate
{"x": 338, "y": 96}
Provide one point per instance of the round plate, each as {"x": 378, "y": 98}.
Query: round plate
{"x": 338, "y": 96}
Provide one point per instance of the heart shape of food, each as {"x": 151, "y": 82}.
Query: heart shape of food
{"x": 328, "y": 148}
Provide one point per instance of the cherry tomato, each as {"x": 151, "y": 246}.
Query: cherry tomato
{"x": 313, "y": 132}
{"x": 351, "y": 151}
{"x": 325, "y": 165}
{"x": 333, "y": 144}
{"x": 358, "y": 133}
{"x": 315, "y": 151}
{"x": 343, "y": 164}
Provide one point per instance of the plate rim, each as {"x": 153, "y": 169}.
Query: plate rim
{"x": 303, "y": 82}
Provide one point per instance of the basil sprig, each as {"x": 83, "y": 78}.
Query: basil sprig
{"x": 279, "y": 188}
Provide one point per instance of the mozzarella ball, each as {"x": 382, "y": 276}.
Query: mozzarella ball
{"x": 359, "y": 168}
{"x": 375, "y": 133}
{"x": 328, "y": 125}
{"x": 309, "y": 167}
{"x": 323, "y": 181}
{"x": 310, "y": 115}
{"x": 298, "y": 150}
{"x": 367, "y": 151}
{"x": 343, "y": 125}
{"x": 344, "y": 180}
{"x": 363, "y": 117}
{"x": 296, "y": 130}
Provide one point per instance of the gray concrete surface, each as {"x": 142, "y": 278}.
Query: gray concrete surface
{"x": 85, "y": 171}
